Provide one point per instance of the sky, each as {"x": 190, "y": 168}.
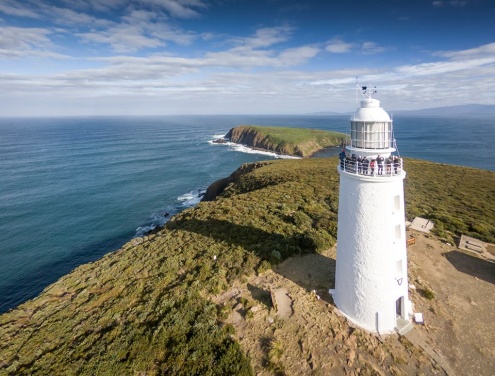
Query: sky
{"x": 167, "y": 57}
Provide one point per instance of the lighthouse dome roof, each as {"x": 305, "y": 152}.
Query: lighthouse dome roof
{"x": 370, "y": 111}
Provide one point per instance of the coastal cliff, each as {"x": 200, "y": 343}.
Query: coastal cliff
{"x": 299, "y": 142}
{"x": 196, "y": 297}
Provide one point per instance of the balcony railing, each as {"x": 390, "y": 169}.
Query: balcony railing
{"x": 387, "y": 168}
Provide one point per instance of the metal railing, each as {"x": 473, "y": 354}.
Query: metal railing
{"x": 387, "y": 168}
{"x": 371, "y": 144}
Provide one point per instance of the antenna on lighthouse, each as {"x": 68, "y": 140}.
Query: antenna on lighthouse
{"x": 368, "y": 91}
{"x": 357, "y": 88}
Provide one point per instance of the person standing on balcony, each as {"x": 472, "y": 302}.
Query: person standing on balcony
{"x": 373, "y": 165}
{"x": 388, "y": 164}
{"x": 342, "y": 158}
{"x": 366, "y": 164}
{"x": 379, "y": 161}
{"x": 397, "y": 163}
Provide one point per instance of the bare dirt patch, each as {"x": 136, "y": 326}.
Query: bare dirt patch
{"x": 316, "y": 339}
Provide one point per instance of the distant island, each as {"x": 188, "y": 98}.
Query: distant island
{"x": 459, "y": 110}
{"x": 200, "y": 296}
{"x": 301, "y": 142}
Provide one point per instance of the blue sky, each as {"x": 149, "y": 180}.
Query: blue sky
{"x": 138, "y": 57}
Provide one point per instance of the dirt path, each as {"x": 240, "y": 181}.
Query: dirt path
{"x": 314, "y": 339}
{"x": 459, "y": 319}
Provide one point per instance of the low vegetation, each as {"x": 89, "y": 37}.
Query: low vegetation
{"x": 146, "y": 308}
{"x": 459, "y": 200}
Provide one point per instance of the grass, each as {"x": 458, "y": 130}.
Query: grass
{"x": 299, "y": 135}
{"x": 144, "y": 309}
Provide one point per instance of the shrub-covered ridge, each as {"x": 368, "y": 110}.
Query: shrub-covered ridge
{"x": 146, "y": 308}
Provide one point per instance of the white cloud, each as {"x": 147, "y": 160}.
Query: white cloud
{"x": 257, "y": 73}
{"x": 139, "y": 29}
{"x": 481, "y": 51}
{"x": 146, "y": 21}
{"x": 437, "y": 68}
{"x": 15, "y": 8}
{"x": 122, "y": 38}
{"x": 338, "y": 46}
{"x": 297, "y": 55}
{"x": 372, "y": 48}
{"x": 180, "y": 8}
{"x": 264, "y": 37}
{"x": 452, "y": 3}
{"x": 239, "y": 86}
{"x": 18, "y": 38}
{"x": 17, "y": 42}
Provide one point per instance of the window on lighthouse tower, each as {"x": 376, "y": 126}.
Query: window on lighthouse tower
{"x": 397, "y": 203}
{"x": 397, "y": 233}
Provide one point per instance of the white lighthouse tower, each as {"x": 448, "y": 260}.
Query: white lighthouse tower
{"x": 371, "y": 286}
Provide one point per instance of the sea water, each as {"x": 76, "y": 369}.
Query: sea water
{"x": 74, "y": 189}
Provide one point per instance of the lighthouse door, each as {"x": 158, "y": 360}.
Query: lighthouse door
{"x": 398, "y": 306}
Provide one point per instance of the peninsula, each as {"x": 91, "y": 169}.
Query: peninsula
{"x": 238, "y": 286}
{"x": 301, "y": 142}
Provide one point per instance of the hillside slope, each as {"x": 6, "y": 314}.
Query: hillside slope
{"x": 158, "y": 305}
{"x": 300, "y": 142}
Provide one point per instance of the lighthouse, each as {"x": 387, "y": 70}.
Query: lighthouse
{"x": 371, "y": 287}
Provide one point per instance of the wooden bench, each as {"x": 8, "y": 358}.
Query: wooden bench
{"x": 411, "y": 241}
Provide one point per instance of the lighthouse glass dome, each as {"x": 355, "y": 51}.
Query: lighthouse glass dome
{"x": 371, "y": 127}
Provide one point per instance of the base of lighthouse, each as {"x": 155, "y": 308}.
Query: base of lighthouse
{"x": 371, "y": 286}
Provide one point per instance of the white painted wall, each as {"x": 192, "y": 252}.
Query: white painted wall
{"x": 369, "y": 244}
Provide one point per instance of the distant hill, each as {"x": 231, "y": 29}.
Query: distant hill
{"x": 467, "y": 109}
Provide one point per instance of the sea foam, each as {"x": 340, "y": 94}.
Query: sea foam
{"x": 158, "y": 219}
{"x": 246, "y": 149}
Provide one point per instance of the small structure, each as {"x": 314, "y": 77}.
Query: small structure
{"x": 478, "y": 247}
{"x": 371, "y": 286}
{"x": 421, "y": 224}
{"x": 282, "y": 302}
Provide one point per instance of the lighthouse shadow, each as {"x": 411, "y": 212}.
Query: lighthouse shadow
{"x": 314, "y": 272}
{"x": 302, "y": 265}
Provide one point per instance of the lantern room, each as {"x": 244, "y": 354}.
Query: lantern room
{"x": 371, "y": 130}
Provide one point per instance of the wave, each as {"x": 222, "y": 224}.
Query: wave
{"x": 246, "y": 149}
{"x": 159, "y": 218}
{"x": 192, "y": 198}
{"x": 218, "y": 136}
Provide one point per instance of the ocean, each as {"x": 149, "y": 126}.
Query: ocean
{"x": 74, "y": 189}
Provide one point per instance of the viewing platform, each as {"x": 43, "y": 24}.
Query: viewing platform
{"x": 356, "y": 167}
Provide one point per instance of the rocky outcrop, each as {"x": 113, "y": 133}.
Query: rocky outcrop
{"x": 219, "y": 186}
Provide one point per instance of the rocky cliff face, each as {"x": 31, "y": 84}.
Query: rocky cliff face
{"x": 255, "y": 138}
{"x": 251, "y": 137}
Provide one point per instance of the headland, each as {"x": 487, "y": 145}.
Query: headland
{"x": 300, "y": 142}
{"x": 196, "y": 297}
